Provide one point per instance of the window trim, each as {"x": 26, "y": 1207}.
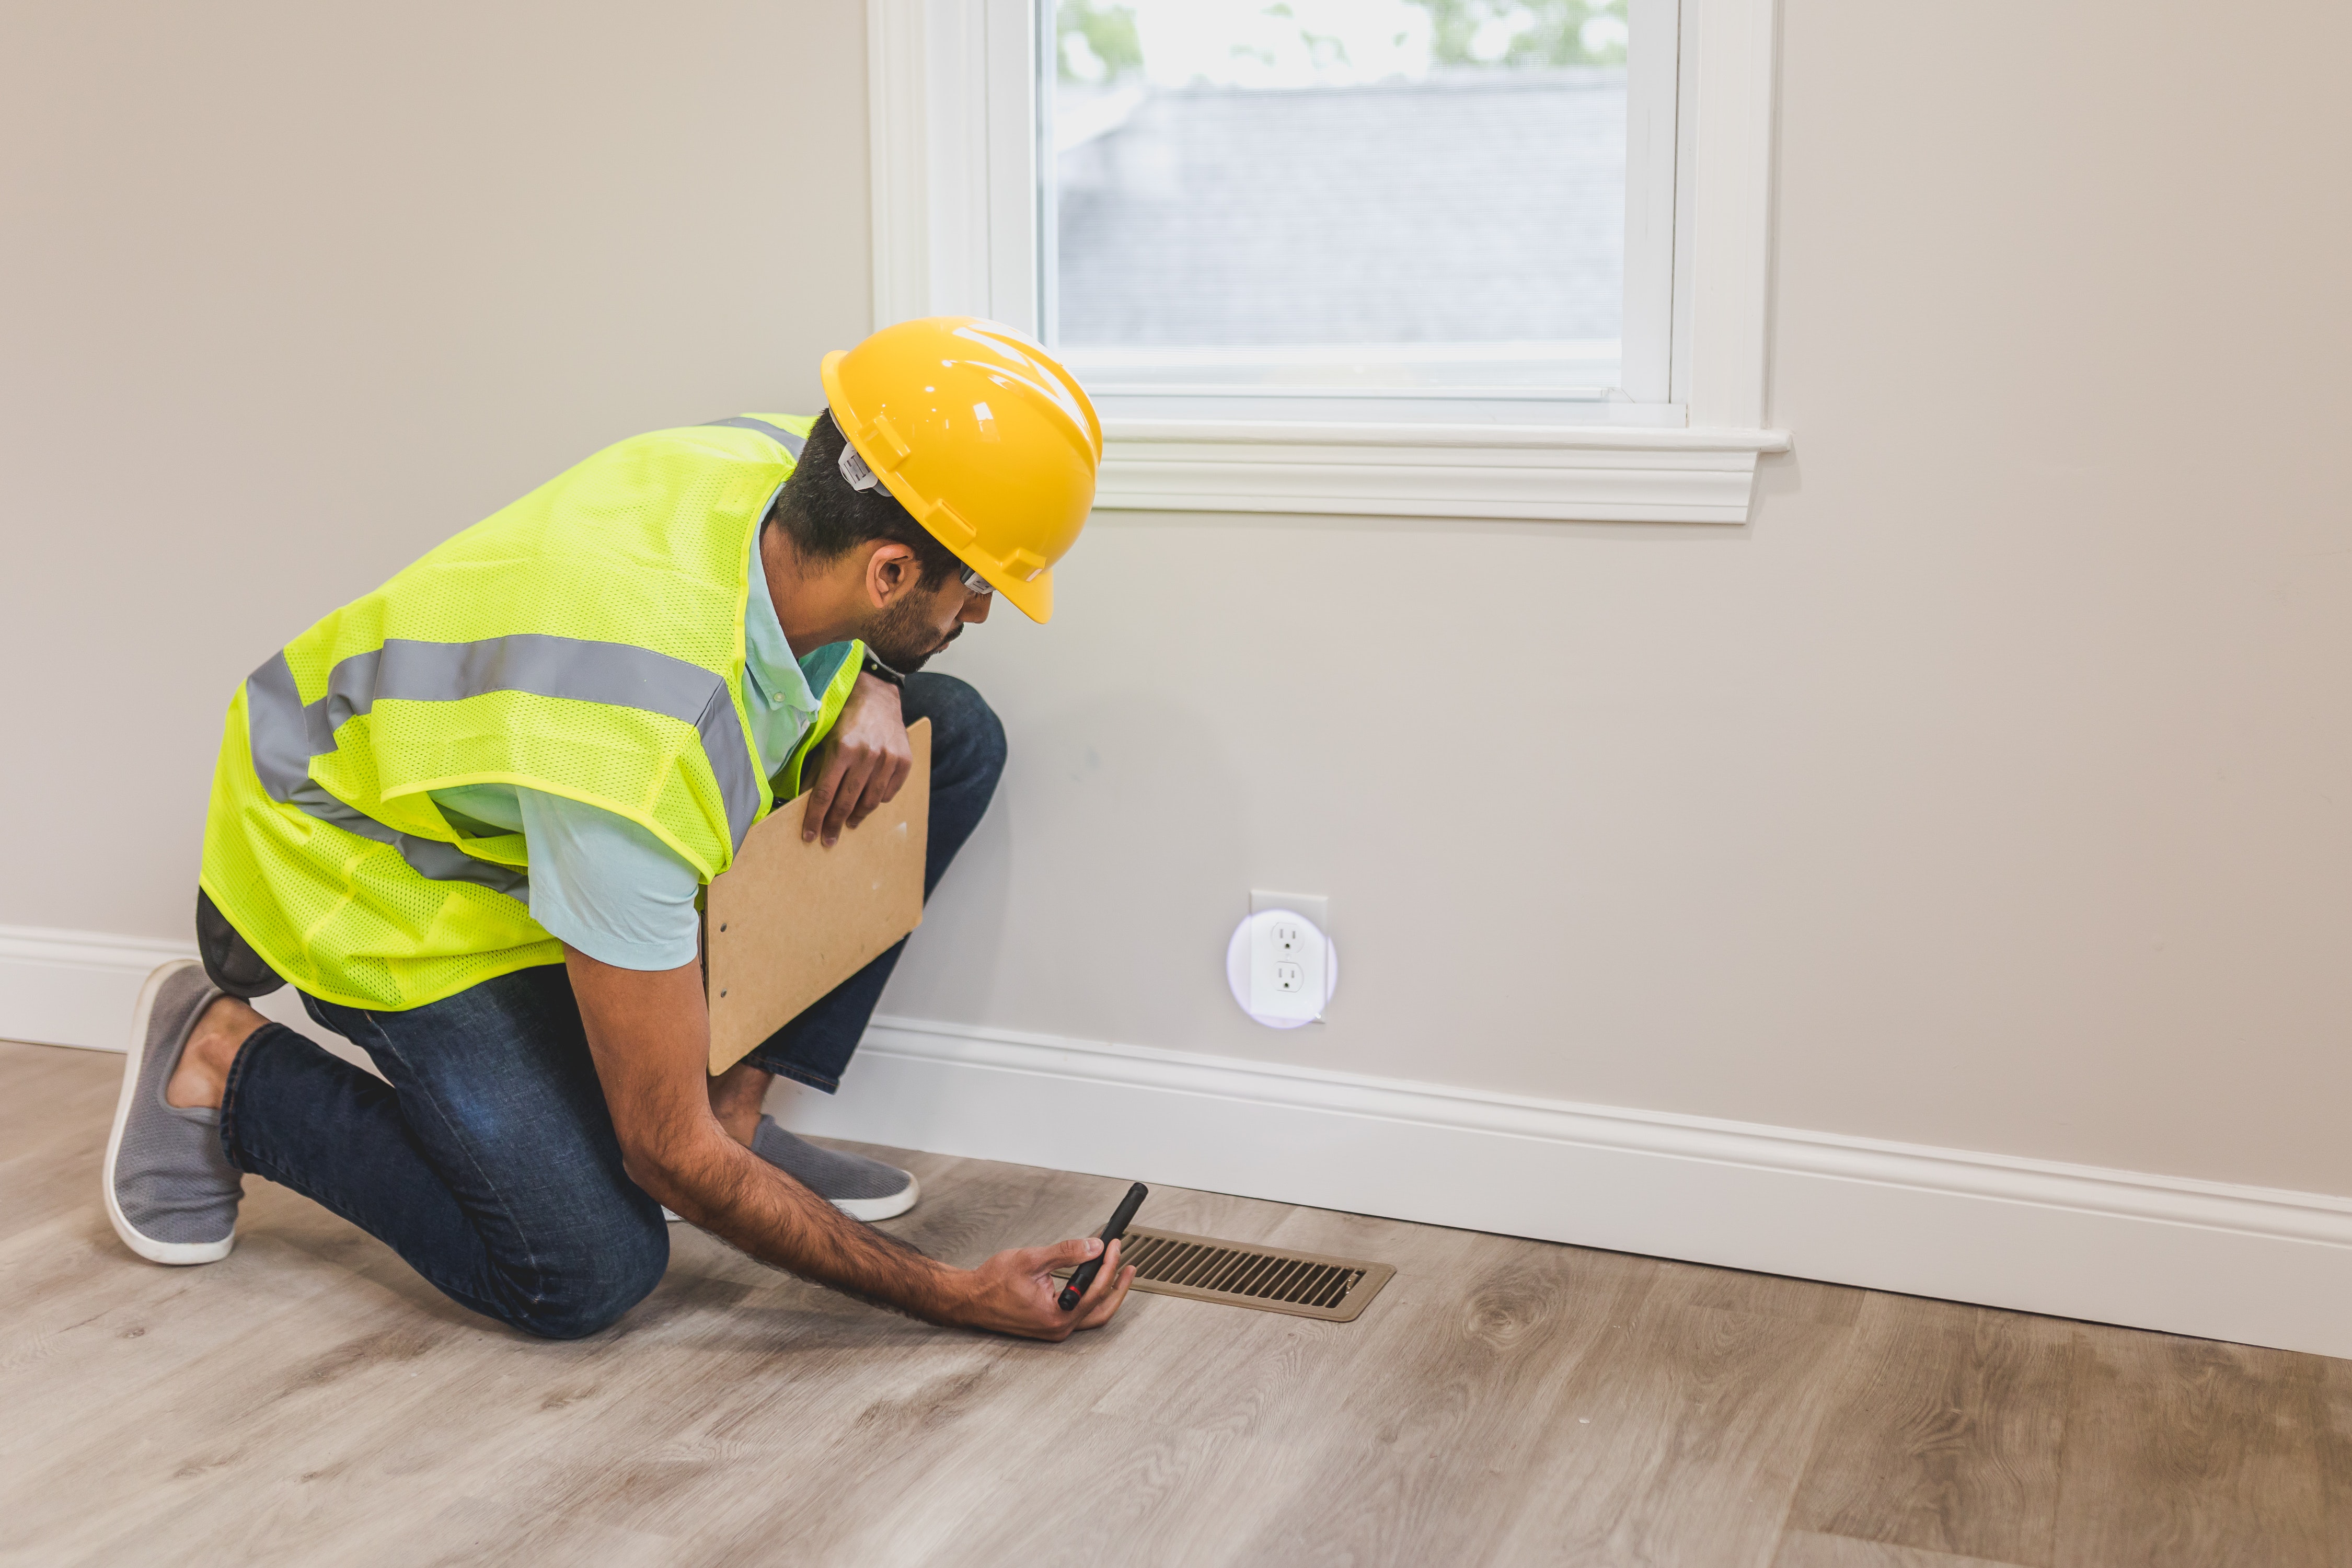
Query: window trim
{"x": 957, "y": 229}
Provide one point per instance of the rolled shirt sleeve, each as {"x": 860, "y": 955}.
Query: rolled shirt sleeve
{"x": 607, "y": 886}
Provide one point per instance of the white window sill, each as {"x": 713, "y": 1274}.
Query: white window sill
{"x": 1538, "y": 473}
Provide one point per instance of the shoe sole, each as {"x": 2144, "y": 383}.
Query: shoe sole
{"x": 177, "y": 1253}
{"x": 867, "y": 1209}
{"x": 890, "y": 1207}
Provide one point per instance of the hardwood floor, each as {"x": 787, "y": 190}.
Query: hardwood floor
{"x": 1947, "y": 1434}
{"x": 308, "y": 1401}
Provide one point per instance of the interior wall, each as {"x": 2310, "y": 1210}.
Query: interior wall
{"x": 294, "y": 291}
{"x": 1990, "y": 790}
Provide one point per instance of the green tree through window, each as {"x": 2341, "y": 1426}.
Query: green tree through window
{"x": 1095, "y": 42}
{"x": 1540, "y": 32}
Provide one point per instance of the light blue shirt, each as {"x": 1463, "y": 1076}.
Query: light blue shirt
{"x": 603, "y": 883}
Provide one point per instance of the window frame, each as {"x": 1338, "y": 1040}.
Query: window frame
{"x": 959, "y": 227}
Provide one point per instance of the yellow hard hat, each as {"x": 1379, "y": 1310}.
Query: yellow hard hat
{"x": 982, "y": 436}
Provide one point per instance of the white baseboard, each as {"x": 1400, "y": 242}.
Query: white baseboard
{"x": 2255, "y": 1265}
{"x": 80, "y": 987}
{"x": 75, "y": 987}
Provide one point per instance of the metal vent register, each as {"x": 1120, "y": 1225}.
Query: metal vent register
{"x": 1272, "y": 1279}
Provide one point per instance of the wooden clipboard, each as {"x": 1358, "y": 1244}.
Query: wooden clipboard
{"x": 789, "y": 920}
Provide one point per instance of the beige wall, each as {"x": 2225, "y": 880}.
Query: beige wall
{"x": 292, "y": 291}
{"x": 1991, "y": 790}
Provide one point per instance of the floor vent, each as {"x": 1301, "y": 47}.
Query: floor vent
{"x": 1272, "y": 1279}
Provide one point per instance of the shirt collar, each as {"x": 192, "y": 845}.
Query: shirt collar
{"x": 774, "y": 676}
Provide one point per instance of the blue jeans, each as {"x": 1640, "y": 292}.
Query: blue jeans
{"x": 486, "y": 1156}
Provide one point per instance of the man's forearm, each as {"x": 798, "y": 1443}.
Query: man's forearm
{"x": 650, "y": 1034}
{"x": 724, "y": 1188}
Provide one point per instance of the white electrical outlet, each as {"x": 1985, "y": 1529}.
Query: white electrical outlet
{"x": 1282, "y": 968}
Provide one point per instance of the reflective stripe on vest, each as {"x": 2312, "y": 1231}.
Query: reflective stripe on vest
{"x": 286, "y": 732}
{"x": 790, "y": 442}
{"x": 281, "y": 761}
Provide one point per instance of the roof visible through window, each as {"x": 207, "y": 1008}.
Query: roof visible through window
{"x": 1408, "y": 191}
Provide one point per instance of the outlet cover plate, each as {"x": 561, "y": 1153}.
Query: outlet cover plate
{"x": 1316, "y": 907}
{"x": 1285, "y": 969}
{"x": 1295, "y": 993}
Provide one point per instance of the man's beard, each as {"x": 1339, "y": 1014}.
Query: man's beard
{"x": 903, "y": 636}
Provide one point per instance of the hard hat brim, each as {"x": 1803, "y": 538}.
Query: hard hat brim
{"x": 1035, "y": 600}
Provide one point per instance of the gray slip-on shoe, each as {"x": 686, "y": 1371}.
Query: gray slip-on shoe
{"x": 169, "y": 1191}
{"x": 859, "y": 1187}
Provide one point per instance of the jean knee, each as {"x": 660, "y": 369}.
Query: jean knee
{"x": 587, "y": 1293}
{"x": 967, "y": 736}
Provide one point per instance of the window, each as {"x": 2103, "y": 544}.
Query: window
{"x": 1432, "y": 257}
{"x": 1331, "y": 203}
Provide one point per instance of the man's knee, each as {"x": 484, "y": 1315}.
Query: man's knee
{"x": 586, "y": 1287}
{"x": 967, "y": 736}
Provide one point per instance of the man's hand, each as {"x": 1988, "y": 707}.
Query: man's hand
{"x": 862, "y": 762}
{"x": 1016, "y": 1292}
{"x": 649, "y": 1034}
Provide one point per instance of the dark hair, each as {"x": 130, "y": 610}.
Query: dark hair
{"x": 825, "y": 517}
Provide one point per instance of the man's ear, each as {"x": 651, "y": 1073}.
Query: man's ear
{"x": 891, "y": 574}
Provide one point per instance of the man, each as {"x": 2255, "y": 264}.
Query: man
{"x": 469, "y": 815}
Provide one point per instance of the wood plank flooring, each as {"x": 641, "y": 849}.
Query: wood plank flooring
{"x": 308, "y": 1401}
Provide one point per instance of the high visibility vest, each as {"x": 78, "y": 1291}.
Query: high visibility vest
{"x": 586, "y": 641}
